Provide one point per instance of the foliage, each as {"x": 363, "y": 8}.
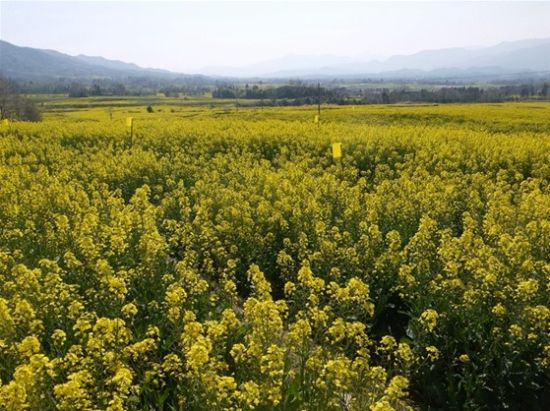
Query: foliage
{"x": 15, "y": 107}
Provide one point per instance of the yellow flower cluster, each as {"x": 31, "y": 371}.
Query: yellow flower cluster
{"x": 227, "y": 262}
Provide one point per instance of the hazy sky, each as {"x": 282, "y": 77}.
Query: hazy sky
{"x": 185, "y": 36}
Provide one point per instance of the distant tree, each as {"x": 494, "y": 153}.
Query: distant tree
{"x": 7, "y": 98}
{"x": 527, "y": 90}
{"x": 119, "y": 89}
{"x": 96, "y": 90}
{"x": 28, "y": 111}
{"x": 224, "y": 92}
{"x": 14, "y": 106}
{"x": 78, "y": 90}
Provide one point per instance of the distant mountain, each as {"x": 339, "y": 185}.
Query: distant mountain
{"x": 506, "y": 56}
{"x": 26, "y": 63}
{"x": 522, "y": 56}
{"x": 109, "y": 64}
{"x": 536, "y": 58}
{"x": 291, "y": 62}
{"x": 514, "y": 59}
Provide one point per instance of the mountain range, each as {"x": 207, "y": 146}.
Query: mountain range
{"x": 26, "y": 63}
{"x": 524, "y": 57}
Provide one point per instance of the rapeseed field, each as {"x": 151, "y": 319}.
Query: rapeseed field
{"x": 222, "y": 259}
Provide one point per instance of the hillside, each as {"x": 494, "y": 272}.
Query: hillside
{"x": 525, "y": 57}
{"x": 26, "y": 63}
{"x": 516, "y": 59}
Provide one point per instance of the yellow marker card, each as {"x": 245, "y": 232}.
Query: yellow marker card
{"x": 129, "y": 121}
{"x": 336, "y": 150}
{"x": 316, "y": 119}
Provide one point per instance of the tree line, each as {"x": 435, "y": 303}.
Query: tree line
{"x": 298, "y": 94}
{"x": 134, "y": 86}
{"x": 457, "y": 94}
